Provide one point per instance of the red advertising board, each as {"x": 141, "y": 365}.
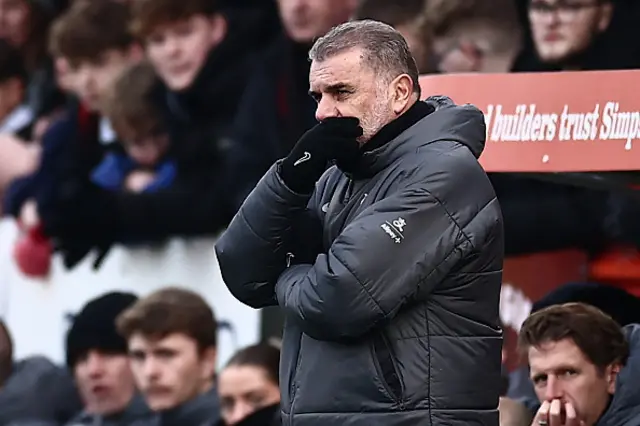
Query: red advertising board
{"x": 552, "y": 122}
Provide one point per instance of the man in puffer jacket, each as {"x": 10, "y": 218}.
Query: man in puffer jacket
{"x": 391, "y": 298}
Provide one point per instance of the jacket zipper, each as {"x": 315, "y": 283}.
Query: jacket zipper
{"x": 293, "y": 388}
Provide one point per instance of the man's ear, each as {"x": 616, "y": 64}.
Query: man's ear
{"x": 401, "y": 92}
{"x": 612, "y": 375}
{"x": 219, "y": 28}
{"x": 209, "y": 360}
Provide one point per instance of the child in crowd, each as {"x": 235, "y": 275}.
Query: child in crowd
{"x": 131, "y": 111}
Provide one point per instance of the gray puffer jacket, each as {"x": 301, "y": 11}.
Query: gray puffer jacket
{"x": 396, "y": 322}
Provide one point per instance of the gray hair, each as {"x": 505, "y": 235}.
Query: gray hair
{"x": 384, "y": 49}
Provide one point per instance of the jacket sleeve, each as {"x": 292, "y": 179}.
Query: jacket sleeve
{"x": 252, "y": 252}
{"x": 396, "y": 250}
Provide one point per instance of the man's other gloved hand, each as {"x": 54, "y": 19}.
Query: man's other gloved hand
{"x": 333, "y": 139}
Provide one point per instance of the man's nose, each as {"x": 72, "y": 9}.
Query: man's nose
{"x": 240, "y": 411}
{"x": 553, "y": 389}
{"x": 95, "y": 364}
{"x": 150, "y": 368}
{"x": 326, "y": 109}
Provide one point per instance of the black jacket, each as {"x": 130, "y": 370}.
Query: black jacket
{"x": 396, "y": 321}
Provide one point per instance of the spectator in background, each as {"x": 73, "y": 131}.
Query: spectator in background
{"x": 97, "y": 355}
{"x": 33, "y": 391}
{"x": 171, "y": 336}
{"x": 191, "y": 46}
{"x": 276, "y": 108}
{"x": 137, "y": 121}
{"x": 16, "y": 117}
{"x": 408, "y": 17}
{"x": 249, "y": 387}
{"x": 584, "y": 368}
{"x": 25, "y": 25}
{"x": 587, "y": 35}
{"x": 94, "y": 38}
{"x": 623, "y": 307}
{"x": 474, "y": 35}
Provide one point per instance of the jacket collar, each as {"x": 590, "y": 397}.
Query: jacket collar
{"x": 202, "y": 410}
{"x": 464, "y": 124}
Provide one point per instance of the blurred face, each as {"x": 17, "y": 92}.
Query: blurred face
{"x": 563, "y": 29}
{"x": 306, "y": 20}
{"x": 14, "y": 21}
{"x": 92, "y": 80}
{"x": 148, "y": 151}
{"x": 178, "y": 50}
{"x": 560, "y": 371}
{"x": 170, "y": 371}
{"x": 343, "y": 86}
{"x": 245, "y": 389}
{"x": 104, "y": 381}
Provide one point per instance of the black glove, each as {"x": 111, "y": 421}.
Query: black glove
{"x": 333, "y": 139}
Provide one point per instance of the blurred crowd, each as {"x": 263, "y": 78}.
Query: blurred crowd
{"x": 133, "y": 122}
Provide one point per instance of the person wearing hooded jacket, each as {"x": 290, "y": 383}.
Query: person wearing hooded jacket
{"x": 387, "y": 266}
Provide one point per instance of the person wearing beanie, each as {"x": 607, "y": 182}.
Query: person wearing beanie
{"x": 33, "y": 391}
{"x": 97, "y": 356}
{"x": 620, "y": 305}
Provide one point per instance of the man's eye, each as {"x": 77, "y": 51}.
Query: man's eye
{"x": 539, "y": 380}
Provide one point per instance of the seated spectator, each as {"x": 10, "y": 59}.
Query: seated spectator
{"x": 16, "y": 117}
{"x": 276, "y": 108}
{"x": 408, "y": 17}
{"x": 623, "y": 307}
{"x": 24, "y": 24}
{"x": 474, "y": 35}
{"x": 144, "y": 165}
{"x": 190, "y": 44}
{"x": 587, "y": 35}
{"x": 584, "y": 367}
{"x": 33, "y": 391}
{"x": 171, "y": 336}
{"x": 95, "y": 40}
{"x": 97, "y": 355}
{"x": 249, "y": 387}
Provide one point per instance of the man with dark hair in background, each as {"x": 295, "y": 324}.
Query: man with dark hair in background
{"x": 97, "y": 356}
{"x": 276, "y": 108}
{"x": 172, "y": 338}
{"x": 584, "y": 367}
{"x": 202, "y": 61}
{"x": 33, "y": 391}
{"x": 391, "y": 287}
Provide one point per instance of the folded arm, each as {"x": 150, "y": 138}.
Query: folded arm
{"x": 397, "y": 249}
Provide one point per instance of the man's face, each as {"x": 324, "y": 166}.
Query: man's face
{"x": 245, "y": 389}
{"x": 178, "y": 50}
{"x": 306, "y": 20}
{"x": 559, "y": 370}
{"x": 171, "y": 370}
{"x": 14, "y": 22}
{"x": 344, "y": 86}
{"x": 105, "y": 382}
{"x": 563, "y": 29}
{"x": 91, "y": 80}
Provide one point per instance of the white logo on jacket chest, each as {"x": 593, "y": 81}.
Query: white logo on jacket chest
{"x": 395, "y": 229}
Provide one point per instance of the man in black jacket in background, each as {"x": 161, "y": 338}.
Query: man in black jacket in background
{"x": 393, "y": 319}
